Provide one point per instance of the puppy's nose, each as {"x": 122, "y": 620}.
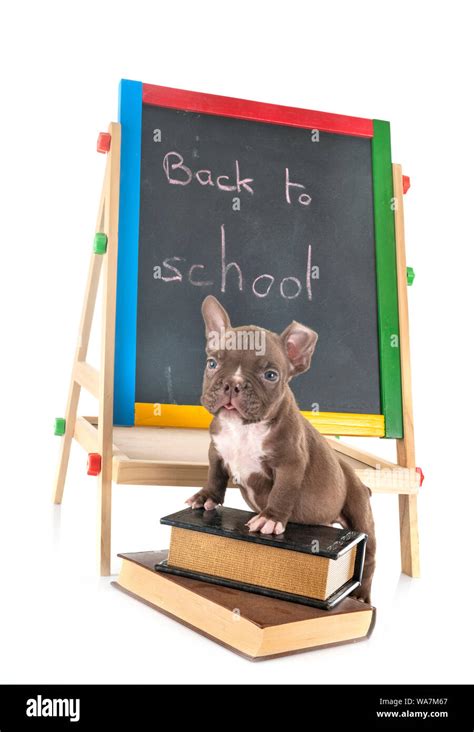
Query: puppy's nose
{"x": 233, "y": 388}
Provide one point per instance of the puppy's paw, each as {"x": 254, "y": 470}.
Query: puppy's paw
{"x": 201, "y": 500}
{"x": 361, "y": 594}
{"x": 265, "y": 525}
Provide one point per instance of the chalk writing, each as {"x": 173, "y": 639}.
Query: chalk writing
{"x": 230, "y": 274}
{"x": 304, "y": 198}
{"x": 179, "y": 174}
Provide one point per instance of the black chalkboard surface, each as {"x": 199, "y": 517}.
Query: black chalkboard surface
{"x": 279, "y": 225}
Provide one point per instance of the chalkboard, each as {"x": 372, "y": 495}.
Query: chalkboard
{"x": 278, "y": 222}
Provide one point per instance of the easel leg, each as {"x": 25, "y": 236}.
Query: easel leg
{"x": 106, "y": 376}
{"x": 105, "y": 523}
{"x": 409, "y": 541}
{"x": 408, "y": 508}
{"x": 90, "y": 297}
{"x": 100, "y": 383}
{"x": 66, "y": 440}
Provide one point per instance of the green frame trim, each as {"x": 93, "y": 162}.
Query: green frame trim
{"x": 386, "y": 267}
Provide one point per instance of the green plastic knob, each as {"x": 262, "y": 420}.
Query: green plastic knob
{"x": 100, "y": 243}
{"x": 410, "y": 276}
{"x": 59, "y": 426}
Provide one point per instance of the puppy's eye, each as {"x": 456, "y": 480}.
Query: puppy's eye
{"x": 271, "y": 375}
{"x": 211, "y": 363}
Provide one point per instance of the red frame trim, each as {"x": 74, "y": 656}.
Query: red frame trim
{"x": 163, "y": 96}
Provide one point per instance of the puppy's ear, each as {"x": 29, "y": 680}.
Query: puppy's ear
{"x": 215, "y": 316}
{"x": 299, "y": 343}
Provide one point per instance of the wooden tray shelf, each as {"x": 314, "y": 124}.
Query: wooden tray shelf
{"x": 178, "y": 457}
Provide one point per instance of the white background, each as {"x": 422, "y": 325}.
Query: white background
{"x": 410, "y": 63}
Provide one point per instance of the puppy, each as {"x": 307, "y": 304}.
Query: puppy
{"x": 285, "y": 469}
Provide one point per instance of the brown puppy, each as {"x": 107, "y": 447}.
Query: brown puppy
{"x": 285, "y": 469}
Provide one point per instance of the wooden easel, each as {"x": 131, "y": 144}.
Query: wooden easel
{"x": 99, "y": 383}
{"x": 159, "y": 456}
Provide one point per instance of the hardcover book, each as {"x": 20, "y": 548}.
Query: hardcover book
{"x": 250, "y": 624}
{"x": 312, "y": 565}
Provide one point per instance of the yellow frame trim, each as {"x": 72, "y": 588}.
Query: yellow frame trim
{"x": 328, "y": 423}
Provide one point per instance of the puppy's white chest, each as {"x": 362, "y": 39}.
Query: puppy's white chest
{"x": 241, "y": 447}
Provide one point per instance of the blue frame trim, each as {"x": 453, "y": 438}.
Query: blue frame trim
{"x": 130, "y": 118}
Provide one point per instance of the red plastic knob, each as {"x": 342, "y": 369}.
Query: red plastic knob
{"x": 103, "y": 142}
{"x": 421, "y": 474}
{"x": 406, "y": 183}
{"x": 94, "y": 463}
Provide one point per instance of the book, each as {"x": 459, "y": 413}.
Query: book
{"x": 255, "y": 626}
{"x": 313, "y": 565}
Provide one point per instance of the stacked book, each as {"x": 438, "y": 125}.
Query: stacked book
{"x": 314, "y": 565}
{"x": 289, "y": 592}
